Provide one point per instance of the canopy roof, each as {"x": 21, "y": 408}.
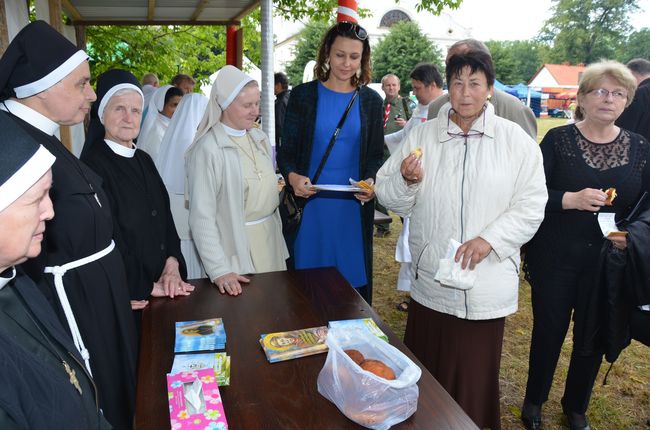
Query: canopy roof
{"x": 157, "y": 12}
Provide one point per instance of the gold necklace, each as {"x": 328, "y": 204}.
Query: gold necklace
{"x": 250, "y": 156}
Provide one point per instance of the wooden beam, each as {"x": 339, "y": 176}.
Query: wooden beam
{"x": 54, "y": 7}
{"x": 151, "y": 7}
{"x": 199, "y": 10}
{"x": 73, "y": 13}
{"x": 157, "y": 22}
{"x": 4, "y": 32}
{"x": 80, "y": 35}
{"x": 252, "y": 6}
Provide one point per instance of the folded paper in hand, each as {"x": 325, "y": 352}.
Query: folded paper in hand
{"x": 607, "y": 223}
{"x": 450, "y": 272}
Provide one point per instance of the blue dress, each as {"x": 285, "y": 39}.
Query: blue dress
{"x": 330, "y": 232}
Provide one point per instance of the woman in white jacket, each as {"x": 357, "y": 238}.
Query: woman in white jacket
{"x": 475, "y": 195}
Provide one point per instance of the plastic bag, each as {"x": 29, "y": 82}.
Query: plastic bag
{"x": 363, "y": 397}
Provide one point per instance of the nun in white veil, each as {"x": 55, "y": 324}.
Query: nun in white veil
{"x": 157, "y": 121}
{"x": 171, "y": 165}
{"x": 232, "y": 187}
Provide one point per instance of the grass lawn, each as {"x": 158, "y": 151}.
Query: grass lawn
{"x": 624, "y": 403}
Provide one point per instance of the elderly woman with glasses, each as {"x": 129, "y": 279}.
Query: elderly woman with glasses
{"x": 473, "y": 186}
{"x": 336, "y": 227}
{"x": 581, "y": 161}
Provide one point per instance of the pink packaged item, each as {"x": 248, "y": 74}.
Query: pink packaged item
{"x": 195, "y": 401}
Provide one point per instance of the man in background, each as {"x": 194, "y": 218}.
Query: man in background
{"x": 396, "y": 114}
{"x": 149, "y": 84}
{"x": 505, "y": 105}
{"x": 282, "y": 92}
{"x": 426, "y": 82}
{"x": 636, "y": 117}
{"x": 184, "y": 82}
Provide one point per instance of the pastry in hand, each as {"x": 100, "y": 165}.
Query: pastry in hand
{"x": 611, "y": 195}
{"x": 366, "y": 186}
{"x": 417, "y": 152}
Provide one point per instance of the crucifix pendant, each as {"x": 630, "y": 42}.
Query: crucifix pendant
{"x": 73, "y": 376}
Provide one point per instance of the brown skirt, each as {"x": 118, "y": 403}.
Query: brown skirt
{"x": 463, "y": 355}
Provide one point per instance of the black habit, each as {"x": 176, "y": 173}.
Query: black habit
{"x": 97, "y": 291}
{"x": 144, "y": 229}
{"x": 36, "y": 389}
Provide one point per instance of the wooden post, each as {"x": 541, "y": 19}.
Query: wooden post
{"x": 231, "y": 45}
{"x": 239, "y": 48}
{"x": 56, "y": 23}
{"x": 4, "y": 33}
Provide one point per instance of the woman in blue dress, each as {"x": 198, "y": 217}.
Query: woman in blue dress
{"x": 336, "y": 228}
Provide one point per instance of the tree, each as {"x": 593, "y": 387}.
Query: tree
{"x": 584, "y": 31}
{"x": 401, "y": 50}
{"x": 198, "y": 51}
{"x": 306, "y": 49}
{"x": 517, "y": 61}
{"x": 637, "y": 46}
{"x": 322, "y": 10}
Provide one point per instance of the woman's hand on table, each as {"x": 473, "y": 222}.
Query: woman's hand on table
{"x": 411, "y": 169}
{"x": 366, "y": 195}
{"x": 588, "y": 199}
{"x": 231, "y": 283}
{"x": 138, "y": 305}
{"x": 301, "y": 185}
{"x": 472, "y": 252}
{"x": 170, "y": 281}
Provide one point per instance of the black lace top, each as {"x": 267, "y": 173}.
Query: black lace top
{"x": 572, "y": 163}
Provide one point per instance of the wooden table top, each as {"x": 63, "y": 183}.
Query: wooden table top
{"x": 281, "y": 395}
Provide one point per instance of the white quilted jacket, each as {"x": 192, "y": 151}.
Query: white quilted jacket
{"x": 490, "y": 184}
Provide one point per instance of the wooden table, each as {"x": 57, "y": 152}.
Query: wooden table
{"x": 279, "y": 395}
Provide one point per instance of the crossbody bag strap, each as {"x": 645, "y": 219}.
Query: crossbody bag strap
{"x": 334, "y": 136}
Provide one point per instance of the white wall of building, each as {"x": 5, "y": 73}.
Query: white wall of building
{"x": 544, "y": 79}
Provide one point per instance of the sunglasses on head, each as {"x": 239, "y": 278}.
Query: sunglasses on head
{"x": 349, "y": 28}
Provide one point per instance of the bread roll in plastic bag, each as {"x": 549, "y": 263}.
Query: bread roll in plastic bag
{"x": 363, "y": 397}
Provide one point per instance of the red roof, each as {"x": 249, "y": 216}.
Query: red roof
{"x": 563, "y": 73}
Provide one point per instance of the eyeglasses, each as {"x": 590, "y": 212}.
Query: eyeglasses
{"x": 347, "y": 28}
{"x": 602, "y": 93}
{"x": 471, "y": 132}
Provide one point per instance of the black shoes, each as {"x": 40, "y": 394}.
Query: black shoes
{"x": 576, "y": 421}
{"x": 531, "y": 416}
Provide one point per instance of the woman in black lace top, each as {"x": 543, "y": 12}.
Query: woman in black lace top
{"x": 580, "y": 161}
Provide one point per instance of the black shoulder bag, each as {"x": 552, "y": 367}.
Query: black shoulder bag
{"x": 291, "y": 206}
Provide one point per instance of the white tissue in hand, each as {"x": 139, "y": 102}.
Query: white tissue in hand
{"x": 450, "y": 272}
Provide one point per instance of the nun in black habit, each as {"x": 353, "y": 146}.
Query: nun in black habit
{"x": 44, "y": 83}
{"x": 144, "y": 229}
{"x": 37, "y": 355}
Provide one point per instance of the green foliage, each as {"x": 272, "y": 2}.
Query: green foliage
{"x": 637, "y": 46}
{"x": 401, "y": 50}
{"x": 306, "y": 49}
{"x": 164, "y": 50}
{"x": 517, "y": 61}
{"x": 584, "y": 31}
{"x": 323, "y": 10}
{"x": 198, "y": 51}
